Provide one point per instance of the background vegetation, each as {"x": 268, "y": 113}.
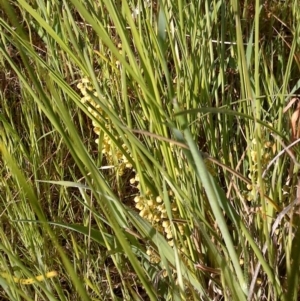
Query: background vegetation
{"x": 149, "y": 150}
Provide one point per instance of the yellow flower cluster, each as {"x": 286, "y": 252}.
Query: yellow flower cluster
{"x": 267, "y": 152}
{"x": 153, "y": 209}
{"x": 27, "y": 281}
{"x": 150, "y": 207}
{"x": 114, "y": 156}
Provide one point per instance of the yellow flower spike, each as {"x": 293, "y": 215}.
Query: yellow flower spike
{"x": 29, "y": 281}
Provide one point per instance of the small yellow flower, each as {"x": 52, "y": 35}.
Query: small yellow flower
{"x": 149, "y": 252}
{"x": 163, "y": 215}
{"x": 165, "y": 224}
{"x": 267, "y": 144}
{"x": 144, "y": 212}
{"x": 139, "y": 206}
{"x": 150, "y": 203}
{"x": 254, "y": 156}
{"x": 158, "y": 199}
{"x": 181, "y": 229}
{"x": 150, "y": 217}
{"x": 169, "y": 235}
{"x": 80, "y": 86}
{"x": 97, "y": 131}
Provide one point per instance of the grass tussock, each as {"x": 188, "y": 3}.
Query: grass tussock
{"x": 149, "y": 150}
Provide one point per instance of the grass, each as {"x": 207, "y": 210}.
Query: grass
{"x": 147, "y": 150}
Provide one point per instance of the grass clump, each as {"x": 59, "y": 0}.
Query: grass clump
{"x": 147, "y": 150}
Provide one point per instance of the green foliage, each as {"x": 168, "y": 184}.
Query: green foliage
{"x": 143, "y": 150}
